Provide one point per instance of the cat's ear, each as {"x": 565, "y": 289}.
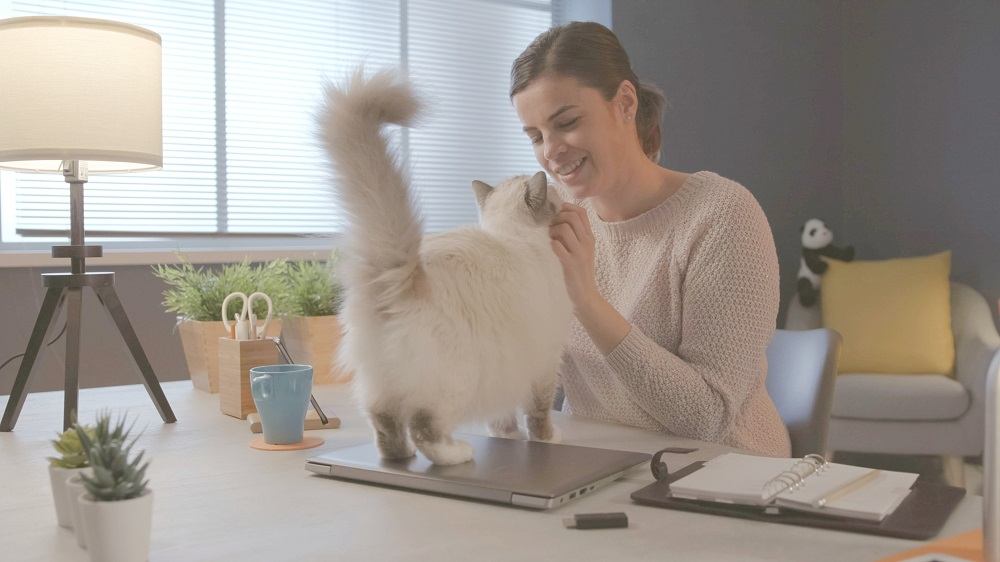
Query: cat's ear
{"x": 482, "y": 190}
{"x": 537, "y": 193}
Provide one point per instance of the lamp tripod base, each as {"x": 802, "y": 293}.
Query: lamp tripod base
{"x": 68, "y": 288}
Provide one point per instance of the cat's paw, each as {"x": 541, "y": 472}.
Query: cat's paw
{"x": 506, "y": 427}
{"x": 508, "y": 433}
{"x": 397, "y": 451}
{"x": 443, "y": 453}
{"x": 549, "y": 434}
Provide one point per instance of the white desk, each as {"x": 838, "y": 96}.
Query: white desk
{"x": 218, "y": 499}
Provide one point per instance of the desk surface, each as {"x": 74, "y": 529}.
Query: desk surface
{"x": 218, "y": 499}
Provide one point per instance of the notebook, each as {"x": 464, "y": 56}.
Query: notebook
{"x": 810, "y": 484}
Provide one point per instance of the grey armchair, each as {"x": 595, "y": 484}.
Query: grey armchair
{"x": 929, "y": 414}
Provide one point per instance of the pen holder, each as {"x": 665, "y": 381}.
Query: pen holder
{"x": 236, "y": 358}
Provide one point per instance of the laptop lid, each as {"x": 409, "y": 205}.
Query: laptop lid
{"x": 513, "y": 471}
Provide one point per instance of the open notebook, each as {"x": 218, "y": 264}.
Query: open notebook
{"x": 808, "y": 484}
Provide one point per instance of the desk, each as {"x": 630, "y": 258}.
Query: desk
{"x": 218, "y": 499}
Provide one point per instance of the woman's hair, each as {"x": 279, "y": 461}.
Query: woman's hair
{"x": 591, "y": 53}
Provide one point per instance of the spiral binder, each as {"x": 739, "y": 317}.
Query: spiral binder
{"x": 921, "y": 514}
{"x": 793, "y": 478}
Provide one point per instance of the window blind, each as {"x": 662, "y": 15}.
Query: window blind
{"x": 272, "y": 176}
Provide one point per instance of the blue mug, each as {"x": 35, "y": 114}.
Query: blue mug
{"x": 281, "y": 393}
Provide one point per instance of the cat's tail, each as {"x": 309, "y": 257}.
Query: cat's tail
{"x": 384, "y": 231}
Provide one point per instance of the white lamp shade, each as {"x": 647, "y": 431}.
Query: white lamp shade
{"x": 79, "y": 89}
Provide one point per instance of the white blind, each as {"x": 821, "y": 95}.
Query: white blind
{"x": 277, "y": 55}
{"x": 460, "y": 59}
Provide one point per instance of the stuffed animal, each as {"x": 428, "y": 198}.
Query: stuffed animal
{"x": 817, "y": 240}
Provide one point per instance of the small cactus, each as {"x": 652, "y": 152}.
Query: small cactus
{"x": 115, "y": 476}
{"x": 68, "y": 445}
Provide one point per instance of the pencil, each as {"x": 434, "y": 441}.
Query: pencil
{"x": 851, "y": 486}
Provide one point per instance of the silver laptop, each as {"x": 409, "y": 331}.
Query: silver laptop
{"x": 510, "y": 471}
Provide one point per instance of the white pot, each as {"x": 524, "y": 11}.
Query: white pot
{"x": 75, "y": 489}
{"x": 117, "y": 531}
{"x": 58, "y": 477}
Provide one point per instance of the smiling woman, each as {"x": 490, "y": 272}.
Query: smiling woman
{"x": 673, "y": 276}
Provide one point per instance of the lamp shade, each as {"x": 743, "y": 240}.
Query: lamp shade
{"x": 79, "y": 89}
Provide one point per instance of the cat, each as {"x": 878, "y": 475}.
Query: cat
{"x": 454, "y": 327}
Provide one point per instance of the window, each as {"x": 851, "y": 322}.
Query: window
{"x": 242, "y": 80}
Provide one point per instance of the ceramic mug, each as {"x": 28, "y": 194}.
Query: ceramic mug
{"x": 281, "y": 394}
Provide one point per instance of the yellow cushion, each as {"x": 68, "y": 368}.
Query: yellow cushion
{"x": 894, "y": 315}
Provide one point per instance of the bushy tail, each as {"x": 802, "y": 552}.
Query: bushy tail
{"x": 384, "y": 231}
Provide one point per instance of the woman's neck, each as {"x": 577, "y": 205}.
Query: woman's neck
{"x": 644, "y": 188}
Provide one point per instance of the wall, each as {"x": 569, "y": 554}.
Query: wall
{"x": 879, "y": 117}
{"x": 754, "y": 89}
{"x": 104, "y": 359}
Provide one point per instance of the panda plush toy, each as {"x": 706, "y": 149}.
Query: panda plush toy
{"x": 817, "y": 240}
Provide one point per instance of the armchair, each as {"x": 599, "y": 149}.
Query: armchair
{"x": 930, "y": 414}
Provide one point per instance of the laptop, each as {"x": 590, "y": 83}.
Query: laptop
{"x": 509, "y": 471}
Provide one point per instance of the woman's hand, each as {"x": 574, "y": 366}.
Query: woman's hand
{"x": 573, "y": 243}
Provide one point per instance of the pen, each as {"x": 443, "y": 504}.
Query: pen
{"x": 288, "y": 359}
{"x": 851, "y": 486}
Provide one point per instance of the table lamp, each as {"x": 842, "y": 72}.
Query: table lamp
{"x": 79, "y": 96}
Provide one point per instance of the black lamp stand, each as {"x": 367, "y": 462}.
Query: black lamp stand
{"x": 68, "y": 287}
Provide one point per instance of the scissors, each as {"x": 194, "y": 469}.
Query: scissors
{"x": 246, "y": 321}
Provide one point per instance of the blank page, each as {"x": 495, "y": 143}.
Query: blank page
{"x": 733, "y": 478}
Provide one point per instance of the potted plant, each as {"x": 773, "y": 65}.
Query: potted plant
{"x": 196, "y": 295}
{"x": 311, "y": 330}
{"x": 117, "y": 509}
{"x": 72, "y": 460}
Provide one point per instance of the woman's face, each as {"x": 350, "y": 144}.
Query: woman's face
{"x": 578, "y": 136}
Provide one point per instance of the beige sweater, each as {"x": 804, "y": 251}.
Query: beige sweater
{"x": 697, "y": 277}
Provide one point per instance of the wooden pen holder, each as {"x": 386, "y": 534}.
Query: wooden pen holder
{"x": 236, "y": 358}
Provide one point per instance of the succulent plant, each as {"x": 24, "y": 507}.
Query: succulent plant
{"x": 68, "y": 445}
{"x": 116, "y": 476}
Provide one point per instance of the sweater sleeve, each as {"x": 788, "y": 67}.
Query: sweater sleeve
{"x": 730, "y": 303}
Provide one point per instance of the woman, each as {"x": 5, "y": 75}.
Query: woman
{"x": 673, "y": 276}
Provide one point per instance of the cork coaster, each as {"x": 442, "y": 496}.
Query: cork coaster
{"x": 306, "y": 443}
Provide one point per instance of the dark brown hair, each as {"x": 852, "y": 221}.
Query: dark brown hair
{"x": 591, "y": 53}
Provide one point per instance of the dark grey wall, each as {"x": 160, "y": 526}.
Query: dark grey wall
{"x": 754, "y": 89}
{"x": 921, "y": 166}
{"x": 879, "y": 117}
{"x": 104, "y": 358}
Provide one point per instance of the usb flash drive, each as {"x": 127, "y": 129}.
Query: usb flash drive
{"x": 596, "y": 521}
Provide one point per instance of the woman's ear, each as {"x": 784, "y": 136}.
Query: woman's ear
{"x": 627, "y": 100}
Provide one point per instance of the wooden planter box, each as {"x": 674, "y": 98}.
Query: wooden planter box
{"x": 200, "y": 340}
{"x": 313, "y": 340}
{"x": 236, "y": 358}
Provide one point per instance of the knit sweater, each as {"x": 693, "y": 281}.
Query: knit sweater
{"x": 697, "y": 279}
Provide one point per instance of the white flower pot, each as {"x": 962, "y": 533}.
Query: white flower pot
{"x": 75, "y": 489}
{"x": 117, "y": 531}
{"x": 58, "y": 477}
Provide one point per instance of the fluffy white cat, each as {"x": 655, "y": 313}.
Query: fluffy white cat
{"x": 465, "y": 325}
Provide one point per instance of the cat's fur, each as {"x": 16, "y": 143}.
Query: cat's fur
{"x": 453, "y": 327}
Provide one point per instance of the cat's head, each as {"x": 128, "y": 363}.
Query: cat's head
{"x": 521, "y": 200}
